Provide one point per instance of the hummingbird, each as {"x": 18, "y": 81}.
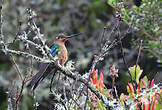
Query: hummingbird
{"x": 58, "y": 49}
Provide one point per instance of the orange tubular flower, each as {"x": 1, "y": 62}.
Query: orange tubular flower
{"x": 94, "y": 80}
{"x": 95, "y": 76}
{"x": 101, "y": 81}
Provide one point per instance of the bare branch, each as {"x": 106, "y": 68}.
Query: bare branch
{"x": 16, "y": 68}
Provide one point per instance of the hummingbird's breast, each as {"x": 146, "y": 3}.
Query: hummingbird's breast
{"x": 63, "y": 57}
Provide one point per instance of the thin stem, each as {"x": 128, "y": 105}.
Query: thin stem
{"x": 102, "y": 37}
{"x": 139, "y": 53}
{"x": 1, "y": 26}
{"x": 116, "y": 93}
{"x": 16, "y": 68}
{"x": 21, "y": 90}
{"x": 121, "y": 47}
{"x": 77, "y": 103}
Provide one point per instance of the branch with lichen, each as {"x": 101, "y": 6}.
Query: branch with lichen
{"x": 48, "y": 58}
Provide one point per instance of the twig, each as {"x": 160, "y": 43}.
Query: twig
{"x": 18, "y": 31}
{"x": 85, "y": 105}
{"x": 31, "y": 63}
{"x": 16, "y": 67}
{"x": 25, "y": 54}
{"x": 21, "y": 90}
{"x": 121, "y": 47}
{"x": 1, "y": 22}
{"x": 77, "y": 103}
{"x": 139, "y": 53}
{"x": 1, "y": 26}
{"x": 10, "y": 97}
{"x": 23, "y": 38}
{"x": 64, "y": 93}
{"x": 20, "y": 94}
{"x": 116, "y": 93}
{"x": 102, "y": 37}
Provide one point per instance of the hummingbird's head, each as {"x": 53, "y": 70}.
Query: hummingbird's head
{"x": 62, "y": 37}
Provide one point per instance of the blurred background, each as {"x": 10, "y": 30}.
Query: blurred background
{"x": 71, "y": 16}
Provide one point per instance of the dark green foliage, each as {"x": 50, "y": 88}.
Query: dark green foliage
{"x": 145, "y": 20}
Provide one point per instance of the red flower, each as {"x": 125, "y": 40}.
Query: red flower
{"x": 149, "y": 103}
{"x": 138, "y": 89}
{"x": 144, "y": 106}
{"x": 137, "y": 105}
{"x": 153, "y": 105}
{"x": 130, "y": 88}
{"x": 152, "y": 83}
{"x": 143, "y": 83}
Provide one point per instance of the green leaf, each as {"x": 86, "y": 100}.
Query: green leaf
{"x": 158, "y": 105}
{"x": 137, "y": 70}
{"x": 105, "y": 92}
{"x": 90, "y": 104}
{"x": 112, "y": 2}
{"x": 100, "y": 105}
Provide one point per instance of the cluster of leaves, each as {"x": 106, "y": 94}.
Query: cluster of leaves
{"x": 145, "y": 20}
{"x": 146, "y": 96}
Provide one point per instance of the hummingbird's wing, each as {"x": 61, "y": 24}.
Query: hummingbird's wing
{"x": 54, "y": 49}
{"x": 42, "y": 70}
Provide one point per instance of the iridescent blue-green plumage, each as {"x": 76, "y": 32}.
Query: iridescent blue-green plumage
{"x": 54, "y": 49}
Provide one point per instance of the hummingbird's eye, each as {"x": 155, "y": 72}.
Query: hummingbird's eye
{"x": 58, "y": 37}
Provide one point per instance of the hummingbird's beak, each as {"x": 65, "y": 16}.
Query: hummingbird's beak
{"x": 73, "y": 35}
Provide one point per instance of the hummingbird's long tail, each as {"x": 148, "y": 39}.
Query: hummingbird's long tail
{"x": 38, "y": 77}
